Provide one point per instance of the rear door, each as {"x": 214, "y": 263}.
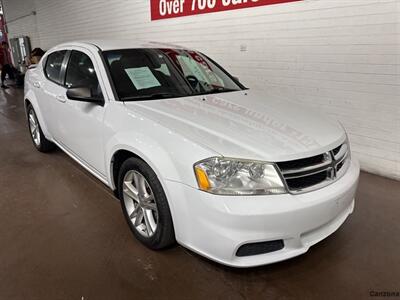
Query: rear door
{"x": 79, "y": 126}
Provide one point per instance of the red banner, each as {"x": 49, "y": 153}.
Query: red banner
{"x": 163, "y": 9}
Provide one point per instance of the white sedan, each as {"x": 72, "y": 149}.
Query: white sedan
{"x": 241, "y": 177}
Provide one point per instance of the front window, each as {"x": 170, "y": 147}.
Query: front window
{"x": 144, "y": 74}
{"x": 81, "y": 72}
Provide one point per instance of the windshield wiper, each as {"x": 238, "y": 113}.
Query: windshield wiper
{"x": 151, "y": 97}
{"x": 217, "y": 91}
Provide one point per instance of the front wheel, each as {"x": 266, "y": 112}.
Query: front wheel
{"x": 145, "y": 205}
{"x": 39, "y": 140}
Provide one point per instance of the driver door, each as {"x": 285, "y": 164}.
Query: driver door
{"x": 79, "y": 126}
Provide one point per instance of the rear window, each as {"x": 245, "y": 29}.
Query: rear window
{"x": 53, "y": 66}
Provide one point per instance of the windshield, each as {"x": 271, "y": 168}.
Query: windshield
{"x": 144, "y": 74}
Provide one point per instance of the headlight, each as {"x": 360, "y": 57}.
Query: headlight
{"x": 229, "y": 176}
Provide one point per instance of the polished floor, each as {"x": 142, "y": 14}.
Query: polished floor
{"x": 62, "y": 236}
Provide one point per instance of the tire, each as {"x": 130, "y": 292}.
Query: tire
{"x": 39, "y": 140}
{"x": 145, "y": 205}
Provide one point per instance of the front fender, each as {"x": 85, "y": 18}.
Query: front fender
{"x": 171, "y": 158}
{"x": 168, "y": 153}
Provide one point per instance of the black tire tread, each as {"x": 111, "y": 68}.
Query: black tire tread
{"x": 45, "y": 145}
{"x": 165, "y": 235}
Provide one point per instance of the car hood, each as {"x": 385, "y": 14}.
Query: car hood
{"x": 245, "y": 124}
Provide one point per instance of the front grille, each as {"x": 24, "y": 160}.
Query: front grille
{"x": 339, "y": 166}
{"x": 299, "y": 163}
{"x": 307, "y": 181}
{"x": 311, "y": 173}
{"x": 336, "y": 150}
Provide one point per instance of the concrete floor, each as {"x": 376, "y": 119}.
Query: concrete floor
{"x": 63, "y": 236}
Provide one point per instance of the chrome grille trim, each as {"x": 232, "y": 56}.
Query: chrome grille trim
{"x": 342, "y": 152}
{"x": 327, "y": 162}
{"x": 315, "y": 174}
{"x": 309, "y": 173}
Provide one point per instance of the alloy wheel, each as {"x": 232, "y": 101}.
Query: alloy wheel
{"x": 140, "y": 203}
{"x": 34, "y": 127}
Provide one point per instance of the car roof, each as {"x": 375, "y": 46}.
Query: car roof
{"x": 106, "y": 45}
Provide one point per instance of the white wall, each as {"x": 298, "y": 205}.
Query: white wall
{"x": 20, "y": 20}
{"x": 342, "y": 57}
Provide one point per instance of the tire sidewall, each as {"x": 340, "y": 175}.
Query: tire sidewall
{"x": 29, "y": 109}
{"x": 45, "y": 145}
{"x": 164, "y": 234}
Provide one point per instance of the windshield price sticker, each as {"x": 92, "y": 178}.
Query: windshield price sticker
{"x": 163, "y": 9}
{"x": 142, "y": 78}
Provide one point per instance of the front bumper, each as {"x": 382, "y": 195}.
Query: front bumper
{"x": 216, "y": 226}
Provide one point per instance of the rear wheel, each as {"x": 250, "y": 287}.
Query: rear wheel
{"x": 39, "y": 140}
{"x": 145, "y": 205}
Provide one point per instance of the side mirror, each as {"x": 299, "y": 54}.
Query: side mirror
{"x": 83, "y": 94}
{"x": 236, "y": 78}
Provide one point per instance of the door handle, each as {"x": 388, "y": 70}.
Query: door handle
{"x": 36, "y": 84}
{"x": 61, "y": 98}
